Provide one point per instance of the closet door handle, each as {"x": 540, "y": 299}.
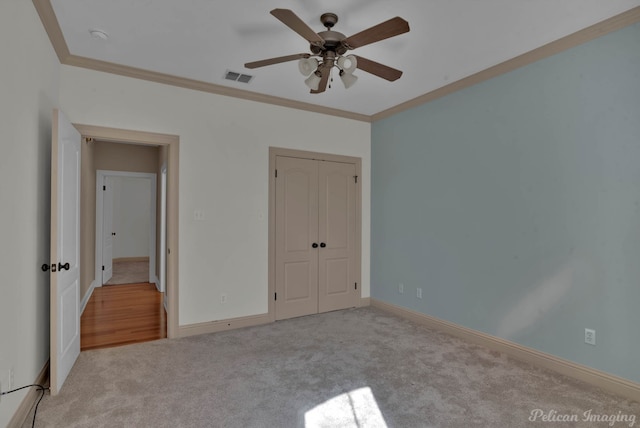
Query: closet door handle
{"x": 314, "y": 245}
{"x": 322, "y": 245}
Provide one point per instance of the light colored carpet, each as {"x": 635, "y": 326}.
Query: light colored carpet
{"x": 125, "y": 272}
{"x": 353, "y": 368}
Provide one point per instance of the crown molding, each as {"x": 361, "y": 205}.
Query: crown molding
{"x": 52, "y": 27}
{"x": 600, "y": 29}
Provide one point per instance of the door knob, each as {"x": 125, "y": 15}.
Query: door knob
{"x": 63, "y": 266}
{"x": 322, "y": 245}
{"x": 54, "y": 267}
{"x": 314, "y": 245}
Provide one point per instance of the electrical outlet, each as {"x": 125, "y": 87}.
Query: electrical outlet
{"x": 419, "y": 293}
{"x": 6, "y": 379}
{"x": 401, "y": 288}
{"x": 223, "y": 298}
{"x": 589, "y": 336}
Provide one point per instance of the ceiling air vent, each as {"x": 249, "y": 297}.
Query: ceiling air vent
{"x": 238, "y": 77}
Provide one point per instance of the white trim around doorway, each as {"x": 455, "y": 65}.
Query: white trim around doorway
{"x": 170, "y": 143}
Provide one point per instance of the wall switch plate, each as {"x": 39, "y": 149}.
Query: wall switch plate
{"x": 401, "y": 288}
{"x": 198, "y": 215}
{"x": 419, "y": 293}
{"x": 223, "y": 298}
{"x": 589, "y": 336}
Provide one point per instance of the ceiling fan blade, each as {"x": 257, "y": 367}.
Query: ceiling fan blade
{"x": 384, "y": 30}
{"x": 322, "y": 86}
{"x": 276, "y": 60}
{"x": 292, "y": 21}
{"x": 378, "y": 69}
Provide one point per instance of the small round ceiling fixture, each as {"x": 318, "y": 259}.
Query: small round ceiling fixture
{"x": 98, "y": 34}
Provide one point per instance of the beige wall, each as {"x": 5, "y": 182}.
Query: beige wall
{"x": 100, "y": 155}
{"x": 126, "y": 157}
{"x": 224, "y": 162}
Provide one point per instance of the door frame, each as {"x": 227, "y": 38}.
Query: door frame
{"x": 162, "y": 270}
{"x": 101, "y": 175}
{"x": 274, "y": 152}
{"x": 172, "y": 144}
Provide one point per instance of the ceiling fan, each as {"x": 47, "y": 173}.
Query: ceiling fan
{"x": 328, "y": 49}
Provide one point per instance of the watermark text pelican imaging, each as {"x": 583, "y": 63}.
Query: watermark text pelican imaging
{"x": 539, "y": 415}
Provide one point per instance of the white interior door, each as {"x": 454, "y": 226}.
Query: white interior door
{"x": 65, "y": 249}
{"x": 107, "y": 230}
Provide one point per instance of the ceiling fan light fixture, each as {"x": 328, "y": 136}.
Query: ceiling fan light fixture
{"x": 348, "y": 79}
{"x": 348, "y": 63}
{"x": 313, "y": 81}
{"x": 307, "y": 66}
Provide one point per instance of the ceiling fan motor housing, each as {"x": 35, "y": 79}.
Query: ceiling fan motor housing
{"x": 332, "y": 42}
{"x": 332, "y": 39}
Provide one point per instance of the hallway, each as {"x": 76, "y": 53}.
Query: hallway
{"x": 121, "y": 315}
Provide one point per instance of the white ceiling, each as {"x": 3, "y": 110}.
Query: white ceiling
{"x": 202, "y": 39}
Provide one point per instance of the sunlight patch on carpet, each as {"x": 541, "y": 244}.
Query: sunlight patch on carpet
{"x": 356, "y": 408}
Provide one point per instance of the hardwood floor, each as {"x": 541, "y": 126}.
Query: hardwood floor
{"x": 122, "y": 314}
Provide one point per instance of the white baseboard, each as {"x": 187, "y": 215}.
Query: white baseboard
{"x": 223, "y": 325}
{"x": 130, "y": 259}
{"x": 29, "y": 400}
{"x": 603, "y": 380}
{"x": 234, "y": 323}
{"x": 155, "y": 280}
{"x": 87, "y": 296}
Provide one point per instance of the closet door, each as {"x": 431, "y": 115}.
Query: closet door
{"x": 296, "y": 232}
{"x": 336, "y": 232}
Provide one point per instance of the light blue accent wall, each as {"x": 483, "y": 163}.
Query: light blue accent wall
{"x": 515, "y": 205}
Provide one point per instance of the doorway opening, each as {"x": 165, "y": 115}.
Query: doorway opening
{"x": 126, "y": 228}
{"x": 162, "y": 278}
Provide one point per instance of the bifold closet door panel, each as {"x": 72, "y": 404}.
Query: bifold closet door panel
{"x": 337, "y": 233}
{"x": 296, "y": 232}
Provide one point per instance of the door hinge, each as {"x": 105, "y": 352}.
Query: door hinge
{"x": 356, "y": 285}
{"x": 276, "y": 173}
{"x": 355, "y": 178}
{"x": 275, "y": 296}
{"x": 102, "y": 267}
{"x": 104, "y": 188}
